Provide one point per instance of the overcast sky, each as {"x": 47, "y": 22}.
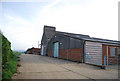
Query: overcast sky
{"x": 22, "y": 22}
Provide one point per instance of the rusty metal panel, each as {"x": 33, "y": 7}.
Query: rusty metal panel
{"x": 93, "y": 53}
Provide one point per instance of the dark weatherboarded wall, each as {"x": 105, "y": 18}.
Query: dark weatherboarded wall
{"x": 69, "y": 48}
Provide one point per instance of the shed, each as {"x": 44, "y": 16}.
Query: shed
{"x": 67, "y": 46}
{"x": 79, "y": 47}
{"x": 101, "y": 52}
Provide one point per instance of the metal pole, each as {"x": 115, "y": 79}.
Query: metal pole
{"x": 105, "y": 63}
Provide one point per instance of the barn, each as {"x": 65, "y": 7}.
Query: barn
{"x": 33, "y": 51}
{"x": 79, "y": 47}
{"x": 101, "y": 52}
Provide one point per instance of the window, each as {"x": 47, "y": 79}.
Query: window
{"x": 118, "y": 51}
{"x": 112, "y": 51}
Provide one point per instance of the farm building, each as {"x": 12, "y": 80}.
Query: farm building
{"x": 79, "y": 48}
{"x": 33, "y": 51}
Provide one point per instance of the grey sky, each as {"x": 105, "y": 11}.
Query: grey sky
{"x": 22, "y": 22}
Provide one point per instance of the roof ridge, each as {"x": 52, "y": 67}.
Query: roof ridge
{"x": 71, "y": 33}
{"x": 103, "y": 39}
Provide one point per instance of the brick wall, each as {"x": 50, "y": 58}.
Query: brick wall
{"x": 63, "y": 54}
{"x": 104, "y": 52}
{"x": 111, "y": 59}
{"x": 75, "y": 54}
{"x": 69, "y": 54}
{"x": 49, "y": 52}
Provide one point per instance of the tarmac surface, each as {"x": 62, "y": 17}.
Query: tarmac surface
{"x": 43, "y": 67}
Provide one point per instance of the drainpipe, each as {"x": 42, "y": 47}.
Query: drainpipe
{"x": 83, "y": 55}
{"x": 68, "y": 49}
{"x": 107, "y": 55}
{"x": 106, "y": 59}
{"x": 105, "y": 63}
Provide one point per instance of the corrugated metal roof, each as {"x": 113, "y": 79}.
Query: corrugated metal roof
{"x": 79, "y": 36}
{"x": 102, "y": 40}
{"x": 88, "y": 38}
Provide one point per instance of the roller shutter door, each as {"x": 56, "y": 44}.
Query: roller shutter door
{"x": 93, "y": 53}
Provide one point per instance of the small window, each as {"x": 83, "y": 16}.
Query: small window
{"x": 118, "y": 51}
{"x": 112, "y": 51}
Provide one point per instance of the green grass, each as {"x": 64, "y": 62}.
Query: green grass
{"x": 10, "y": 67}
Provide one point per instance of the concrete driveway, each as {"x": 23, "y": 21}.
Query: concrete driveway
{"x": 43, "y": 67}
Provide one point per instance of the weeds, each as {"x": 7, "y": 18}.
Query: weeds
{"x": 10, "y": 67}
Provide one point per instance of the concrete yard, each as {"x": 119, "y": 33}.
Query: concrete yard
{"x": 43, "y": 67}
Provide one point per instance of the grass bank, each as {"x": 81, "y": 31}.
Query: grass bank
{"x": 10, "y": 67}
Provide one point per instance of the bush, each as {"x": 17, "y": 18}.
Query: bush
{"x": 10, "y": 68}
{"x": 6, "y": 74}
{"x": 9, "y": 58}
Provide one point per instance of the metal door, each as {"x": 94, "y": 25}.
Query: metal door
{"x": 93, "y": 53}
{"x": 56, "y": 49}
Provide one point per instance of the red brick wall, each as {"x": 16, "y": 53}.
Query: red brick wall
{"x": 113, "y": 60}
{"x": 75, "y": 54}
{"x": 70, "y": 54}
{"x": 110, "y": 58}
{"x": 49, "y": 52}
{"x": 63, "y": 54}
{"x": 104, "y": 52}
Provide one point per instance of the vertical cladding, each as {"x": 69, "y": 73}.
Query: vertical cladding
{"x": 49, "y": 32}
{"x": 76, "y": 43}
{"x": 64, "y": 42}
{"x": 69, "y": 48}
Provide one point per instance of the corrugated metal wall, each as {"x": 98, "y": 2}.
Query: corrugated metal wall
{"x": 69, "y": 48}
{"x": 93, "y": 53}
{"x": 43, "y": 45}
{"x": 42, "y": 49}
{"x": 66, "y": 42}
{"x": 76, "y": 43}
{"x": 49, "y": 32}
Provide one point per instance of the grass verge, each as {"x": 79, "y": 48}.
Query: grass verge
{"x": 10, "y": 67}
